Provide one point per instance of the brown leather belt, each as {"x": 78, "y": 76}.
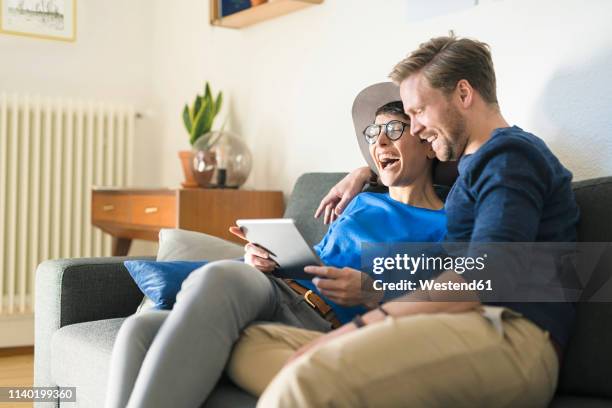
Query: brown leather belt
{"x": 316, "y": 302}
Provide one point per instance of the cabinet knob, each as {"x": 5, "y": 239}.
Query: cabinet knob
{"x": 150, "y": 210}
{"x": 108, "y": 207}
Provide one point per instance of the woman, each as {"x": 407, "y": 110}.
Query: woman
{"x": 174, "y": 358}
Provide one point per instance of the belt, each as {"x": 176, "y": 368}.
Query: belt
{"x": 316, "y": 302}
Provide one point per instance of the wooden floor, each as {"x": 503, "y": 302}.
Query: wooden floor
{"x": 16, "y": 370}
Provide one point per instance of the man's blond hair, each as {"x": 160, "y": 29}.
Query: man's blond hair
{"x": 446, "y": 60}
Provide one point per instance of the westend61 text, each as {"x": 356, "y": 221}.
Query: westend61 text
{"x": 407, "y": 285}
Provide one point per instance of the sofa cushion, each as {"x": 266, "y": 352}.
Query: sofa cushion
{"x": 587, "y": 366}
{"x": 183, "y": 245}
{"x": 594, "y": 197}
{"x": 80, "y": 357}
{"x": 160, "y": 281}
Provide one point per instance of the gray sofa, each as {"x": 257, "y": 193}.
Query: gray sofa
{"x": 81, "y": 303}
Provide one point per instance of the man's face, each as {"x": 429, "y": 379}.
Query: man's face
{"x": 434, "y": 117}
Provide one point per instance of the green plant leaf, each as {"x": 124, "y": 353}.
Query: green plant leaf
{"x": 197, "y": 104}
{"x": 200, "y": 122}
{"x": 208, "y": 116}
{"x": 218, "y": 103}
{"x": 207, "y": 92}
{"x": 187, "y": 119}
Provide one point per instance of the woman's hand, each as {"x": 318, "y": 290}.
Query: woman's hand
{"x": 346, "y": 286}
{"x": 341, "y": 194}
{"x": 254, "y": 255}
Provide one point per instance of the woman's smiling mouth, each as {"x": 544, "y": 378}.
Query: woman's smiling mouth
{"x": 387, "y": 162}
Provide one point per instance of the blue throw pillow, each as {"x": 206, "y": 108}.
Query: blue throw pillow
{"x": 161, "y": 281}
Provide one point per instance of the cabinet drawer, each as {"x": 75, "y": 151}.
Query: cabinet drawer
{"x": 154, "y": 210}
{"x": 110, "y": 207}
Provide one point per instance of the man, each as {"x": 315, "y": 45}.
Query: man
{"x": 447, "y": 350}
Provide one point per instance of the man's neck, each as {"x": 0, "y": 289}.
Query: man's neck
{"x": 482, "y": 128}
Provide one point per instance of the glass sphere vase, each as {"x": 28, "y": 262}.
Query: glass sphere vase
{"x": 221, "y": 160}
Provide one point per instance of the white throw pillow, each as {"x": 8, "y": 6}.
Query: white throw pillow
{"x": 182, "y": 245}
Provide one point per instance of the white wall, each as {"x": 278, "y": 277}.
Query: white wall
{"x": 110, "y": 61}
{"x": 292, "y": 80}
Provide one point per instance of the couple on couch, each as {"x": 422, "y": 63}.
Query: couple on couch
{"x": 332, "y": 341}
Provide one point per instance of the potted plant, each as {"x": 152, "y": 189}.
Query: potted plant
{"x": 198, "y": 119}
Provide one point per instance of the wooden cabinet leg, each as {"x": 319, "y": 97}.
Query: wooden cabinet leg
{"x": 121, "y": 246}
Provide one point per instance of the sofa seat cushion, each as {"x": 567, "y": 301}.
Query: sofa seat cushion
{"x": 80, "y": 357}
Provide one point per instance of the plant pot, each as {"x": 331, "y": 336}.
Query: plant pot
{"x": 186, "y": 157}
{"x": 204, "y": 164}
{"x": 257, "y": 2}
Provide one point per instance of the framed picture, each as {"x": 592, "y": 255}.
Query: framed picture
{"x": 228, "y": 7}
{"x": 51, "y": 19}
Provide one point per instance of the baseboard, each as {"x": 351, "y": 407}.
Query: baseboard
{"x": 17, "y": 330}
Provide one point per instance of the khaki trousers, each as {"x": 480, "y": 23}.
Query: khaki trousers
{"x": 487, "y": 358}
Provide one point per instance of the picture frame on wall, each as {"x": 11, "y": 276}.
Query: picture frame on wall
{"x": 229, "y": 7}
{"x": 48, "y": 19}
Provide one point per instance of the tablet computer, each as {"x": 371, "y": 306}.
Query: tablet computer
{"x": 286, "y": 245}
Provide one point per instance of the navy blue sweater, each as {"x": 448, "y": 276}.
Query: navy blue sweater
{"x": 514, "y": 189}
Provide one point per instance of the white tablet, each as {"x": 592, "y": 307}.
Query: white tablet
{"x": 286, "y": 245}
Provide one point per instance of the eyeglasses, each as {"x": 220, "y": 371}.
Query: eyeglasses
{"x": 394, "y": 130}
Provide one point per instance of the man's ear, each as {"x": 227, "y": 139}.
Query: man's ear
{"x": 465, "y": 92}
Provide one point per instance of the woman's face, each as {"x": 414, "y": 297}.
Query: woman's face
{"x": 401, "y": 161}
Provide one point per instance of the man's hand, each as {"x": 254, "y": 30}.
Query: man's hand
{"x": 254, "y": 255}
{"x": 346, "y": 286}
{"x": 341, "y": 194}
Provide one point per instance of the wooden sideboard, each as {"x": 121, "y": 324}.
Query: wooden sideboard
{"x": 129, "y": 214}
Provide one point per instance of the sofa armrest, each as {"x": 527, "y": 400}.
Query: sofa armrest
{"x": 77, "y": 290}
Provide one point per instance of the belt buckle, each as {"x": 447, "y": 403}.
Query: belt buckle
{"x": 310, "y": 292}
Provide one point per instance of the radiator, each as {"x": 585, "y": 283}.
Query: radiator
{"x": 52, "y": 151}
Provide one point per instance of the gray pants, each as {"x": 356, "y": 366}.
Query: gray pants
{"x": 174, "y": 358}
